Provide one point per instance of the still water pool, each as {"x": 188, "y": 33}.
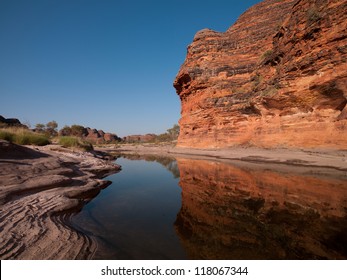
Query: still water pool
{"x": 180, "y": 208}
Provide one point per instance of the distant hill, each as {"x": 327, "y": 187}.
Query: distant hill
{"x": 10, "y": 122}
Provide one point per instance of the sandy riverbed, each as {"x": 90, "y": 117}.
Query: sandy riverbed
{"x": 335, "y": 159}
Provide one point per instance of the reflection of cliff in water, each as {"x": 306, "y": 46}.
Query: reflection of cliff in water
{"x": 231, "y": 212}
{"x": 168, "y": 162}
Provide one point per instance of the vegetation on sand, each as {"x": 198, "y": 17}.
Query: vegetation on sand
{"x": 75, "y": 142}
{"x": 22, "y": 136}
{"x": 49, "y": 129}
{"x": 171, "y": 134}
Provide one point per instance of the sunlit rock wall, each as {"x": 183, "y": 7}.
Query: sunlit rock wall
{"x": 276, "y": 78}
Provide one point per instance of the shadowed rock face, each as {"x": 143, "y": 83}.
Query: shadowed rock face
{"x": 277, "y": 77}
{"x": 9, "y": 151}
{"x": 238, "y": 212}
{"x": 10, "y": 122}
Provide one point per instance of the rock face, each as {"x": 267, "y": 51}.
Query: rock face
{"x": 276, "y": 78}
{"x": 39, "y": 190}
{"x": 10, "y": 122}
{"x": 100, "y": 137}
{"x": 140, "y": 138}
{"x": 90, "y": 134}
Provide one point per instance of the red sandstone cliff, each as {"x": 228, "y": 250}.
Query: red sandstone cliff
{"x": 277, "y": 77}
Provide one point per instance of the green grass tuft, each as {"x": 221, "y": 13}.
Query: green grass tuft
{"x": 22, "y": 136}
{"x": 5, "y": 135}
{"x": 31, "y": 139}
{"x": 75, "y": 142}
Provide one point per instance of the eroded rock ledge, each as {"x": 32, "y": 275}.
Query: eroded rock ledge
{"x": 39, "y": 189}
{"x": 276, "y": 78}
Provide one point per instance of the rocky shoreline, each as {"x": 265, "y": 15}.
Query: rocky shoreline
{"x": 40, "y": 188}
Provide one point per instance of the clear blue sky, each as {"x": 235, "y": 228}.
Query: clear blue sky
{"x": 104, "y": 64}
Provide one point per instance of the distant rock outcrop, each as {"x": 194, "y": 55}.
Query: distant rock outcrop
{"x": 140, "y": 138}
{"x": 277, "y": 77}
{"x": 91, "y": 134}
{"x": 10, "y": 122}
{"x": 99, "y": 136}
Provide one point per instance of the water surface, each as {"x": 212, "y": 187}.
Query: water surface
{"x": 133, "y": 218}
{"x": 178, "y": 208}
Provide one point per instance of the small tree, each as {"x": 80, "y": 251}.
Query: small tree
{"x": 39, "y": 127}
{"x": 174, "y": 132}
{"x": 171, "y": 134}
{"x": 65, "y": 131}
{"x": 78, "y": 130}
{"x": 51, "y": 128}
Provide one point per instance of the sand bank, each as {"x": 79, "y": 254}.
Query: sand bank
{"x": 336, "y": 159}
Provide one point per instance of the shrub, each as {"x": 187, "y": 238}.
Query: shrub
{"x": 269, "y": 91}
{"x": 78, "y": 130}
{"x": 171, "y": 134}
{"x": 313, "y": 16}
{"x": 74, "y": 142}
{"x": 267, "y": 54}
{"x": 65, "y": 131}
{"x": 39, "y": 127}
{"x": 31, "y": 139}
{"x": 49, "y": 129}
{"x": 23, "y": 137}
{"x": 257, "y": 79}
{"x": 5, "y": 135}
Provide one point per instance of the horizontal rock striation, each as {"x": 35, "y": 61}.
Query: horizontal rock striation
{"x": 252, "y": 211}
{"x": 39, "y": 190}
{"x": 276, "y": 78}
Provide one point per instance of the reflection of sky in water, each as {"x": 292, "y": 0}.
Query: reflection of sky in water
{"x": 134, "y": 216}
